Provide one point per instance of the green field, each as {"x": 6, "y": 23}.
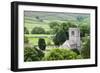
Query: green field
{"x": 30, "y": 26}
{"x": 33, "y": 38}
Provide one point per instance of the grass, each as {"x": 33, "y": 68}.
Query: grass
{"x": 30, "y": 25}
{"x": 38, "y": 35}
{"x": 33, "y": 38}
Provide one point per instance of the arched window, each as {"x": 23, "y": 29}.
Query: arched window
{"x": 73, "y": 33}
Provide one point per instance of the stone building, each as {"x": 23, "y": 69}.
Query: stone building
{"x": 74, "y": 39}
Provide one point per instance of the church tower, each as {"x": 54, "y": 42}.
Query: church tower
{"x": 74, "y": 38}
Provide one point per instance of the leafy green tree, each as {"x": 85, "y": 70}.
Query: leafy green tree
{"x": 42, "y": 44}
{"x": 26, "y": 30}
{"x": 38, "y": 30}
{"x": 53, "y": 24}
{"x": 85, "y": 50}
{"x": 59, "y": 38}
{"x": 85, "y": 29}
{"x": 32, "y": 54}
{"x": 54, "y": 27}
{"x": 62, "y": 34}
{"x": 60, "y": 54}
{"x": 65, "y": 27}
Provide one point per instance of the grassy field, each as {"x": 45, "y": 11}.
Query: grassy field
{"x": 31, "y": 22}
{"x": 30, "y": 26}
{"x": 33, "y": 38}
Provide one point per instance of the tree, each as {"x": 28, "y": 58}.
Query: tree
{"x": 54, "y": 27}
{"x": 26, "y": 30}
{"x": 37, "y": 17}
{"x": 85, "y": 29}
{"x": 66, "y": 25}
{"x": 53, "y": 24}
{"x": 42, "y": 44}
{"x": 60, "y": 54}
{"x": 32, "y": 54}
{"x": 59, "y": 38}
{"x": 85, "y": 50}
{"x": 38, "y": 30}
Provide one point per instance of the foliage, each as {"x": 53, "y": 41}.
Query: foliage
{"x": 76, "y": 50}
{"x": 53, "y": 24}
{"x": 85, "y": 29}
{"x": 49, "y": 42}
{"x": 38, "y": 30}
{"x": 41, "y": 44}
{"x": 54, "y": 27}
{"x": 26, "y": 40}
{"x": 32, "y": 54}
{"x": 60, "y": 54}
{"x": 61, "y": 32}
{"x": 26, "y": 30}
{"x": 79, "y": 57}
{"x": 59, "y": 38}
{"x": 85, "y": 51}
{"x": 66, "y": 25}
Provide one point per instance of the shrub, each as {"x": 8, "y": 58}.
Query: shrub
{"x": 76, "y": 50}
{"x": 26, "y": 30}
{"x": 79, "y": 57}
{"x": 49, "y": 42}
{"x": 60, "y": 54}
{"x": 38, "y": 30}
{"x": 32, "y": 54}
{"x": 41, "y": 44}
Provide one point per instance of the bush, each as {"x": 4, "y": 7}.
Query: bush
{"x": 49, "y": 42}
{"x": 60, "y": 54}
{"x": 79, "y": 57}
{"x": 53, "y": 24}
{"x": 26, "y": 40}
{"x": 32, "y": 54}
{"x": 26, "y": 30}
{"x": 38, "y": 30}
{"x": 60, "y": 38}
{"x": 85, "y": 50}
{"x": 41, "y": 44}
{"x": 76, "y": 50}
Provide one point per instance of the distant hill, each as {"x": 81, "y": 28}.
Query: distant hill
{"x": 34, "y": 15}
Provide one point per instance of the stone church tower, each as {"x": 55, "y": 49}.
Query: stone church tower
{"x": 74, "y": 39}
